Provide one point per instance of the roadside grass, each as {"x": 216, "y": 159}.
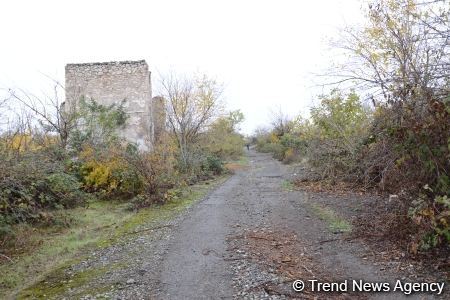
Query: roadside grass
{"x": 336, "y": 224}
{"x": 243, "y": 160}
{"x": 287, "y": 185}
{"x": 237, "y": 164}
{"x": 101, "y": 224}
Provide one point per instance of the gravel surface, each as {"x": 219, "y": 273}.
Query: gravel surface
{"x": 248, "y": 239}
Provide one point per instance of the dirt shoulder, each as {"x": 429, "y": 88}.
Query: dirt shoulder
{"x": 374, "y": 219}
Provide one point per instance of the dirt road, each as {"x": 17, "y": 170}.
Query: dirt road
{"x": 250, "y": 238}
{"x": 216, "y": 253}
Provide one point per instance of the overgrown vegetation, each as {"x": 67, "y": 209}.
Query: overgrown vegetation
{"x": 399, "y": 140}
{"x": 56, "y": 157}
{"x": 47, "y": 250}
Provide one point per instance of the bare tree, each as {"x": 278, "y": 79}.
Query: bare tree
{"x": 403, "y": 55}
{"x": 401, "y": 59}
{"x": 281, "y": 122}
{"x": 51, "y": 113}
{"x": 3, "y": 103}
{"x": 191, "y": 105}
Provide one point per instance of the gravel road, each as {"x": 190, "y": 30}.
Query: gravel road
{"x": 248, "y": 239}
{"x": 209, "y": 256}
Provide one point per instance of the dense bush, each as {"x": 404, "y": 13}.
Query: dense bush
{"x": 64, "y": 189}
{"x": 276, "y": 149}
{"x": 59, "y": 157}
{"x": 401, "y": 56}
{"x": 222, "y": 139}
{"x": 33, "y": 182}
{"x": 421, "y": 149}
{"x": 343, "y": 140}
{"x": 400, "y": 60}
{"x": 338, "y": 127}
{"x": 108, "y": 174}
{"x": 330, "y": 140}
{"x": 157, "y": 169}
{"x": 38, "y": 174}
{"x": 214, "y": 165}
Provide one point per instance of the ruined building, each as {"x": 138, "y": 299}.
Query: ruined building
{"x": 113, "y": 82}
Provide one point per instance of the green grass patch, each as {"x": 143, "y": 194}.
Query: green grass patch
{"x": 287, "y": 185}
{"x": 243, "y": 160}
{"x": 101, "y": 224}
{"x": 59, "y": 281}
{"x": 335, "y": 222}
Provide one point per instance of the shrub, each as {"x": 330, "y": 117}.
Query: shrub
{"x": 412, "y": 152}
{"x": 433, "y": 215}
{"x": 5, "y": 226}
{"x": 156, "y": 169}
{"x": 276, "y": 149}
{"x": 109, "y": 174}
{"x": 330, "y": 140}
{"x": 213, "y": 164}
{"x": 290, "y": 155}
{"x": 222, "y": 138}
{"x": 96, "y": 125}
{"x": 339, "y": 124}
{"x": 65, "y": 190}
{"x": 32, "y": 183}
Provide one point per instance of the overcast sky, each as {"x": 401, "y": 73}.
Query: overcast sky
{"x": 263, "y": 51}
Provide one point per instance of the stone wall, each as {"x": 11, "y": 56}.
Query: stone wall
{"x": 159, "y": 117}
{"x": 111, "y": 83}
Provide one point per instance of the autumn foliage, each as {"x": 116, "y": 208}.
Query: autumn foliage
{"x": 41, "y": 174}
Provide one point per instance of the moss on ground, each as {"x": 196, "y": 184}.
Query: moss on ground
{"x": 60, "y": 281}
{"x": 335, "y": 222}
{"x": 287, "y": 185}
